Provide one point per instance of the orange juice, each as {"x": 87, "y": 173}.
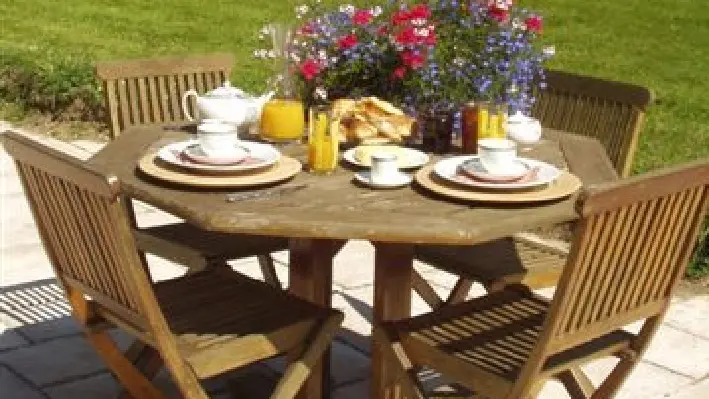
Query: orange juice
{"x": 282, "y": 120}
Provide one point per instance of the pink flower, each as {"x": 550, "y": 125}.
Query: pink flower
{"x": 534, "y": 24}
{"x": 310, "y": 69}
{"x": 306, "y": 29}
{"x": 431, "y": 39}
{"x": 400, "y": 17}
{"x": 362, "y": 17}
{"x": 421, "y": 11}
{"x": 413, "y": 60}
{"x": 382, "y": 30}
{"x": 347, "y": 41}
{"x": 407, "y": 36}
{"x": 399, "y": 72}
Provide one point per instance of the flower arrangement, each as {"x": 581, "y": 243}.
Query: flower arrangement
{"x": 435, "y": 54}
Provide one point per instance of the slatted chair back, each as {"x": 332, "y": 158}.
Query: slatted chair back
{"x": 150, "y": 91}
{"x": 612, "y": 112}
{"x": 83, "y": 227}
{"x": 632, "y": 246}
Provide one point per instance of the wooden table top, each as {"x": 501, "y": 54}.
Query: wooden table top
{"x": 333, "y": 207}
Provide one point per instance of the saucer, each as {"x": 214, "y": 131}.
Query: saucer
{"x": 474, "y": 168}
{"x": 401, "y": 180}
{"x": 195, "y": 153}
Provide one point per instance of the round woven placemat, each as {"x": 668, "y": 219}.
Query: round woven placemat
{"x": 564, "y": 186}
{"x": 286, "y": 168}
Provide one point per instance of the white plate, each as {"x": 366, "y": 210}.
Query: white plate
{"x": 401, "y": 180}
{"x": 415, "y": 159}
{"x": 261, "y": 155}
{"x": 448, "y": 170}
{"x": 196, "y": 154}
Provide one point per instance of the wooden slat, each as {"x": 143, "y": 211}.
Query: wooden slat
{"x": 112, "y": 105}
{"x": 163, "y": 66}
{"x": 163, "y": 90}
{"x": 155, "y": 104}
{"x": 124, "y": 99}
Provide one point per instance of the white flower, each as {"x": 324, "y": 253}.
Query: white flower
{"x": 418, "y": 22}
{"x": 333, "y": 59}
{"x": 320, "y": 93}
{"x": 423, "y": 32}
{"x": 348, "y": 9}
{"x": 295, "y": 57}
{"x": 257, "y": 54}
{"x": 266, "y": 30}
{"x": 549, "y": 51}
{"x": 322, "y": 54}
{"x": 263, "y": 53}
{"x": 376, "y": 11}
{"x": 458, "y": 61}
{"x": 271, "y": 54}
{"x": 518, "y": 24}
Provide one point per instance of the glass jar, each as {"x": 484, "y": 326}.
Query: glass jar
{"x": 282, "y": 118}
{"x": 436, "y": 132}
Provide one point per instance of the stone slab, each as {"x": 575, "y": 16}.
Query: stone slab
{"x": 646, "y": 381}
{"x": 13, "y": 386}
{"x": 680, "y": 352}
{"x": 690, "y": 315}
{"x": 698, "y": 390}
{"x": 96, "y": 386}
{"x": 54, "y": 361}
{"x": 10, "y": 339}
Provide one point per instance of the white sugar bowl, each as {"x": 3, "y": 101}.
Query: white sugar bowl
{"x": 523, "y": 129}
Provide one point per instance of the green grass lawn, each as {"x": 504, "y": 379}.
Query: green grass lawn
{"x": 663, "y": 44}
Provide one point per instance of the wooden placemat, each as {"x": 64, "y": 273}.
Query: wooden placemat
{"x": 151, "y": 165}
{"x": 564, "y": 186}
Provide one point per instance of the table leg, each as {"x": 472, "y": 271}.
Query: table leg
{"x": 310, "y": 270}
{"x": 393, "y": 269}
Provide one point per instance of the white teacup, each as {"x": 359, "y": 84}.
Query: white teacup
{"x": 498, "y": 156}
{"x": 216, "y": 138}
{"x": 385, "y": 168}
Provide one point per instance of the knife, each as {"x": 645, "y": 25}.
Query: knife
{"x": 264, "y": 194}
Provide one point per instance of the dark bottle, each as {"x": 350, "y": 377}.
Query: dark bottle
{"x": 437, "y": 132}
{"x": 469, "y": 140}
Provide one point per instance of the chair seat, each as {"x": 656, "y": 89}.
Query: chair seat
{"x": 494, "y": 334}
{"x": 209, "y": 244}
{"x": 221, "y": 316}
{"x": 504, "y": 261}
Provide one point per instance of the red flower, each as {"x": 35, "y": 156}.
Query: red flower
{"x": 382, "y": 30}
{"x": 306, "y": 29}
{"x": 421, "y": 11}
{"x": 362, "y": 17}
{"x": 401, "y": 17}
{"x": 347, "y": 41}
{"x": 431, "y": 38}
{"x": 407, "y": 36}
{"x": 499, "y": 14}
{"x": 534, "y": 24}
{"x": 399, "y": 72}
{"x": 413, "y": 60}
{"x": 310, "y": 69}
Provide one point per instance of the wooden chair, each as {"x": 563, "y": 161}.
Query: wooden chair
{"x": 612, "y": 112}
{"x": 630, "y": 250}
{"x": 149, "y": 91}
{"x": 200, "y": 325}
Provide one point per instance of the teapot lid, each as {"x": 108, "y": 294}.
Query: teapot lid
{"x": 518, "y": 118}
{"x": 226, "y": 91}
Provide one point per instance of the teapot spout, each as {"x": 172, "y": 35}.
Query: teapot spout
{"x": 265, "y": 98}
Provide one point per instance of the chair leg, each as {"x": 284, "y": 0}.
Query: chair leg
{"x": 298, "y": 370}
{"x": 146, "y": 359}
{"x": 425, "y": 291}
{"x": 137, "y": 385}
{"x": 268, "y": 269}
{"x": 577, "y": 383}
{"x": 460, "y": 291}
{"x": 614, "y": 381}
{"x": 404, "y": 370}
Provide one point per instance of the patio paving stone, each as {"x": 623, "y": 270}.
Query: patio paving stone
{"x": 690, "y": 315}
{"x": 680, "y": 352}
{"x": 698, "y": 390}
{"x": 10, "y": 339}
{"x": 95, "y": 386}
{"x": 14, "y": 387}
{"x": 54, "y": 361}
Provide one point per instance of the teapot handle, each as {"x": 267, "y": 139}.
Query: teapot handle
{"x": 185, "y": 102}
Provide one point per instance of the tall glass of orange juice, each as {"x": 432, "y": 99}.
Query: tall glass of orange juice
{"x": 283, "y": 120}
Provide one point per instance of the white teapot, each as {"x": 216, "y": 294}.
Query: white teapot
{"x": 226, "y": 103}
{"x": 523, "y": 129}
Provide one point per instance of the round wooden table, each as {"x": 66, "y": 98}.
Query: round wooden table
{"x": 326, "y": 211}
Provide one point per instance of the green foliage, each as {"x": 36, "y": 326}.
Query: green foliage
{"x": 699, "y": 267}
{"x": 61, "y": 86}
